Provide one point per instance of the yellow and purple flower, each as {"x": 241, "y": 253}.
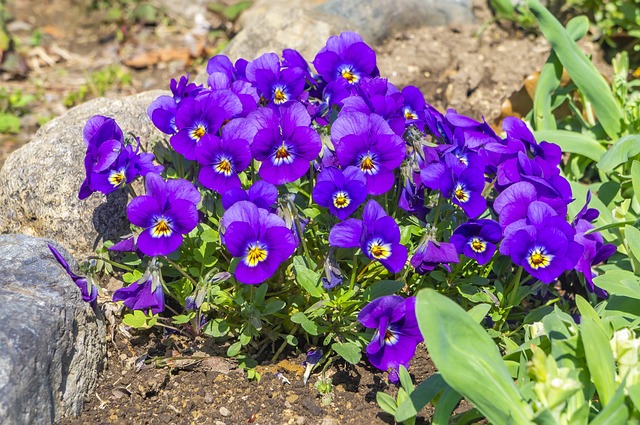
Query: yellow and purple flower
{"x": 367, "y": 142}
{"x": 222, "y": 158}
{"x": 465, "y": 190}
{"x": 341, "y": 192}
{"x": 258, "y": 238}
{"x": 165, "y": 213}
{"x": 346, "y": 57}
{"x": 285, "y": 142}
{"x": 378, "y": 235}
{"x": 477, "y": 239}
{"x": 396, "y": 334}
{"x": 205, "y": 114}
{"x": 275, "y": 84}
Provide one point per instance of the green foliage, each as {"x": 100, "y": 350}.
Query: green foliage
{"x": 98, "y": 83}
{"x": 13, "y": 105}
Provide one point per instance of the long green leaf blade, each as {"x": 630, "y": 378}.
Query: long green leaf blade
{"x": 420, "y": 397}
{"x": 599, "y": 358}
{"x": 573, "y": 143}
{"x": 469, "y": 360}
{"x": 582, "y": 71}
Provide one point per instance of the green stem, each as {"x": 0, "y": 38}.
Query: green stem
{"x": 354, "y": 270}
{"x": 113, "y": 263}
{"x": 437, "y": 213}
{"x": 284, "y": 344}
{"x": 181, "y": 270}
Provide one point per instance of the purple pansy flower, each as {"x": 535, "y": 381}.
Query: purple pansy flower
{"x": 258, "y": 238}
{"x": 477, "y": 239}
{"x": 223, "y": 158}
{"x": 273, "y": 83}
{"x": 88, "y": 290}
{"x": 465, "y": 190}
{"x": 145, "y": 293}
{"x": 377, "y": 235}
{"x": 396, "y": 333}
{"x": 542, "y": 243}
{"x": 285, "y": 142}
{"x": 413, "y": 109}
{"x": 200, "y": 116}
{"x": 340, "y": 191}
{"x": 430, "y": 255}
{"x": 166, "y": 212}
{"x": 262, "y": 193}
{"x": 346, "y": 57}
{"x": 378, "y": 96}
{"x": 368, "y": 142}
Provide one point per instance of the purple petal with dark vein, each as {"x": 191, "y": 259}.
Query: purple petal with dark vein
{"x": 263, "y": 194}
{"x": 141, "y": 210}
{"x": 379, "y": 183}
{"x": 362, "y": 57}
{"x": 258, "y": 274}
{"x": 371, "y": 313}
{"x": 182, "y": 189}
{"x": 184, "y": 214}
{"x": 352, "y": 124}
{"x": 372, "y": 212}
{"x": 238, "y": 235}
{"x": 265, "y": 143}
{"x": 522, "y": 193}
{"x": 243, "y": 211}
{"x": 385, "y": 228}
{"x": 284, "y": 173}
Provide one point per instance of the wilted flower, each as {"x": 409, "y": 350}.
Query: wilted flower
{"x": 431, "y": 254}
{"x": 396, "y": 333}
{"x": 88, "y": 290}
{"x": 145, "y": 293}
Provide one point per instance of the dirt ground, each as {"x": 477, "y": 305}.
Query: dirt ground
{"x": 479, "y": 73}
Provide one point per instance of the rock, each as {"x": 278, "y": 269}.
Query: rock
{"x": 224, "y": 411}
{"x": 40, "y": 181}
{"x": 273, "y": 25}
{"x": 52, "y": 344}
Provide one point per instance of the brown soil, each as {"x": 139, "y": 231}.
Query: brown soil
{"x": 174, "y": 389}
{"x": 477, "y": 74}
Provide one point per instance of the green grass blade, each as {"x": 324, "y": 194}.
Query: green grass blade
{"x": 599, "y": 358}
{"x": 469, "y": 360}
{"x": 573, "y": 142}
{"x": 625, "y": 148}
{"x": 423, "y": 394}
{"x": 582, "y": 71}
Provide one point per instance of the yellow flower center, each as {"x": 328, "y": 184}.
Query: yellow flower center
{"x": 409, "y": 115}
{"x": 478, "y": 245}
{"x": 341, "y": 200}
{"x": 198, "y": 132}
{"x": 461, "y": 194}
{"x": 116, "y": 178}
{"x": 368, "y": 164}
{"x": 379, "y": 250}
{"x": 256, "y": 253}
{"x": 349, "y": 75}
{"x": 224, "y": 167}
{"x": 282, "y": 155}
{"x": 538, "y": 258}
{"x": 161, "y": 228}
{"x": 279, "y": 96}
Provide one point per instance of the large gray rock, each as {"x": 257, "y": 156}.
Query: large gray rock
{"x": 52, "y": 345}
{"x": 39, "y": 182}
{"x": 273, "y": 25}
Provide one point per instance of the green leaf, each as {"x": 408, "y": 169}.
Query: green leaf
{"x": 632, "y": 235}
{"x": 585, "y": 309}
{"x": 216, "y": 328}
{"x": 348, "y": 351}
{"x": 234, "y": 349}
{"x": 572, "y": 142}
{"x": 382, "y": 288}
{"x": 444, "y": 407}
{"x": 405, "y": 379}
{"x": 635, "y": 179}
{"x": 232, "y": 12}
{"x": 479, "y": 376}
{"x": 619, "y": 282}
{"x": 306, "y": 324}
{"x": 582, "y": 71}
{"x": 423, "y": 394}
{"x": 599, "y": 358}
{"x": 9, "y": 123}
{"x": 614, "y": 413}
{"x": 181, "y": 319}
{"x": 634, "y": 395}
{"x": 625, "y": 148}
{"x": 503, "y": 8}
{"x": 386, "y": 402}
{"x": 139, "y": 320}
{"x": 307, "y": 278}
{"x": 479, "y": 311}
{"x": 273, "y": 305}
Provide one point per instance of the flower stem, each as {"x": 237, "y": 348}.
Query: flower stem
{"x": 180, "y": 270}
{"x": 284, "y": 344}
{"x": 113, "y": 263}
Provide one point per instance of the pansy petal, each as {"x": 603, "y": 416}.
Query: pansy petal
{"x": 346, "y": 234}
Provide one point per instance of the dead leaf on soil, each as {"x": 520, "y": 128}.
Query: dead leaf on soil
{"x": 169, "y": 54}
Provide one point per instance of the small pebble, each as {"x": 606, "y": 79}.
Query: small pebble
{"x": 224, "y": 411}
